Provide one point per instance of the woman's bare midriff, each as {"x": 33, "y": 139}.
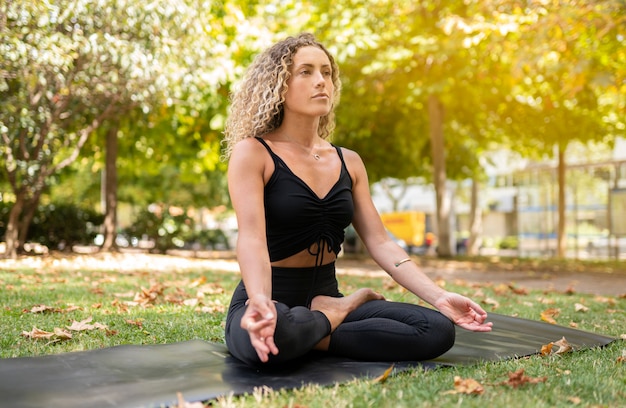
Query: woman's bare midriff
{"x": 304, "y": 258}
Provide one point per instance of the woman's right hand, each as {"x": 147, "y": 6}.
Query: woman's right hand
{"x": 259, "y": 320}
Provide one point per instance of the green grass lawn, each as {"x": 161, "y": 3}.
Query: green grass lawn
{"x": 140, "y": 306}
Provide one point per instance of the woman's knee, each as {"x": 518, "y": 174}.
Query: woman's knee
{"x": 444, "y": 332}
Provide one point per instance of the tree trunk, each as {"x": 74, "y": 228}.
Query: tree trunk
{"x": 435, "y": 118}
{"x": 388, "y": 186}
{"x": 110, "y": 191}
{"x": 28, "y": 213}
{"x": 12, "y": 231}
{"x": 476, "y": 222}
{"x": 561, "y": 246}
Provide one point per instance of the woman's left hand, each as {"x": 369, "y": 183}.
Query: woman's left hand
{"x": 463, "y": 312}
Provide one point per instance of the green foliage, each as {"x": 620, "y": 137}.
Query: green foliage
{"x": 58, "y": 225}
{"x": 62, "y": 225}
{"x": 171, "y": 231}
{"x": 167, "y": 231}
{"x": 510, "y": 242}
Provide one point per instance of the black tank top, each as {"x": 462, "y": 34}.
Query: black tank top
{"x": 296, "y": 218}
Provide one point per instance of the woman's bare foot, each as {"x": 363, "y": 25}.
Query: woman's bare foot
{"x": 337, "y": 308}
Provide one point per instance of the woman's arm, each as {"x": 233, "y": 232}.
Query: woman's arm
{"x": 247, "y": 172}
{"x": 387, "y": 254}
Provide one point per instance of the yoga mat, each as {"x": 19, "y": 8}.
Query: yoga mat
{"x": 151, "y": 376}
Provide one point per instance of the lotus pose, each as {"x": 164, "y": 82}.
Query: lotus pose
{"x": 294, "y": 193}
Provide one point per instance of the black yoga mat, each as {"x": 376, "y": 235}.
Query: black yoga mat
{"x": 151, "y": 376}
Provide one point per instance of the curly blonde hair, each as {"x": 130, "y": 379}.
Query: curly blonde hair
{"x": 257, "y": 107}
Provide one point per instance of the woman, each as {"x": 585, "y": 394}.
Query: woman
{"x": 294, "y": 193}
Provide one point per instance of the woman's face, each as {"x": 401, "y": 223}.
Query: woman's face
{"x": 310, "y": 87}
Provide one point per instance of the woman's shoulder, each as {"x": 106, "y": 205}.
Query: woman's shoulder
{"x": 248, "y": 150}
{"x": 249, "y": 145}
{"x": 351, "y": 156}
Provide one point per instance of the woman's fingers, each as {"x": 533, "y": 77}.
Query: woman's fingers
{"x": 261, "y": 332}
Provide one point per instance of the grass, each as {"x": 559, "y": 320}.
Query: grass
{"x": 182, "y": 301}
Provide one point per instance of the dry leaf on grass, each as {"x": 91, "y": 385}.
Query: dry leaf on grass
{"x": 147, "y": 297}
{"x": 85, "y": 325}
{"x": 45, "y": 308}
{"x": 517, "y": 379}
{"x": 603, "y": 299}
{"x": 492, "y": 302}
{"x": 562, "y": 345}
{"x": 197, "y": 282}
{"x": 56, "y": 335}
{"x": 622, "y": 358}
{"x": 138, "y": 322}
{"x": 467, "y": 386}
{"x": 383, "y": 377}
{"x": 579, "y": 307}
{"x": 548, "y": 315}
{"x": 518, "y": 291}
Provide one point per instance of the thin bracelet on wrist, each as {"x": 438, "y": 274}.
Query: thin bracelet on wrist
{"x": 400, "y": 262}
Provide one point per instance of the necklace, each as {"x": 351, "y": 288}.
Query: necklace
{"x": 316, "y": 156}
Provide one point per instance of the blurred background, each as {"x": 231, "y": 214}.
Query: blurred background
{"x": 487, "y": 127}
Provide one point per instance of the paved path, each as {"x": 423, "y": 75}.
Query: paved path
{"x": 599, "y": 283}
{"x": 581, "y": 281}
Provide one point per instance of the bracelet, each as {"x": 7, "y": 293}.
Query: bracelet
{"x": 402, "y": 261}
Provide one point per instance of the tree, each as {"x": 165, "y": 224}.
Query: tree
{"x": 571, "y": 80}
{"x": 68, "y": 70}
{"x": 440, "y": 68}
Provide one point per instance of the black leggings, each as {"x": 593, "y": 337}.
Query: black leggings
{"x": 378, "y": 330}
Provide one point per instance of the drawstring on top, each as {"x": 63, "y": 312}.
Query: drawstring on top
{"x": 322, "y": 241}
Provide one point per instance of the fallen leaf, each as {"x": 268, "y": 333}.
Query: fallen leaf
{"x": 517, "y": 379}
{"x": 546, "y": 349}
{"x": 563, "y": 347}
{"x": 197, "y": 282}
{"x": 622, "y": 358}
{"x": 36, "y": 333}
{"x": 147, "y": 297}
{"x": 518, "y": 291}
{"x": 56, "y": 335}
{"x": 212, "y": 289}
{"x": 41, "y": 309}
{"x": 45, "y": 308}
{"x": 138, "y": 323}
{"x": 383, "y": 377}
{"x": 84, "y": 325}
{"x": 492, "y": 302}
{"x": 62, "y": 334}
{"x": 604, "y": 299}
{"x": 570, "y": 290}
{"x": 501, "y": 289}
{"x": 580, "y": 307}
{"x": 190, "y": 302}
{"x": 548, "y": 315}
{"x": 466, "y": 386}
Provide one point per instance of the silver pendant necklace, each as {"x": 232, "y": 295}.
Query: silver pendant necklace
{"x": 316, "y": 156}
